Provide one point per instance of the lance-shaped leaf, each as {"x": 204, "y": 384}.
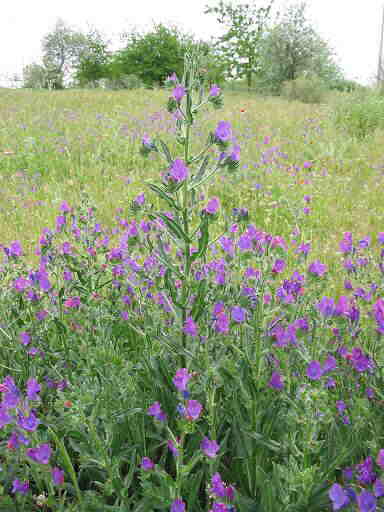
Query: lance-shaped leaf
{"x": 174, "y": 227}
{"x": 196, "y": 183}
{"x": 166, "y": 152}
{"x": 165, "y": 260}
{"x": 203, "y": 167}
{"x": 199, "y": 302}
{"x": 203, "y": 240}
{"x": 170, "y": 285}
{"x": 160, "y": 191}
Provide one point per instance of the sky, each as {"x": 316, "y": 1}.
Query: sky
{"x": 352, "y": 27}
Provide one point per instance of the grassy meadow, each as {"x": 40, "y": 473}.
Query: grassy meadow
{"x": 54, "y": 144}
{"x": 215, "y": 357}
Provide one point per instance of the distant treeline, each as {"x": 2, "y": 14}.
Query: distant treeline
{"x": 262, "y": 53}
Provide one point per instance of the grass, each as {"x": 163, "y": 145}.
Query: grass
{"x": 62, "y": 142}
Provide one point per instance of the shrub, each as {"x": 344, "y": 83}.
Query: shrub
{"x": 360, "y": 114}
{"x": 307, "y": 88}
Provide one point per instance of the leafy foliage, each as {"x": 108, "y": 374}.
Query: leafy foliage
{"x": 241, "y": 43}
{"x": 308, "y": 88}
{"x": 293, "y": 47}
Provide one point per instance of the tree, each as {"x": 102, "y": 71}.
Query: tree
{"x": 62, "y": 51}
{"x": 240, "y": 45}
{"x": 94, "y": 60}
{"x": 293, "y": 47}
{"x": 35, "y": 76}
{"x": 152, "y": 56}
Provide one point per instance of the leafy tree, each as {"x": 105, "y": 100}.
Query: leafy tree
{"x": 62, "y": 51}
{"x": 35, "y": 76}
{"x": 293, "y": 47}
{"x": 94, "y": 60}
{"x": 152, "y": 56}
{"x": 240, "y": 45}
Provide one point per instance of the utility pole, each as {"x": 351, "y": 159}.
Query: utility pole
{"x": 380, "y": 68}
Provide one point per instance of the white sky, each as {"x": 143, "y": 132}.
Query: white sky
{"x": 352, "y": 27}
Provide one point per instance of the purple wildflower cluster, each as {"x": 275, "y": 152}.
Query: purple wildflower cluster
{"x": 19, "y": 416}
{"x": 362, "y": 487}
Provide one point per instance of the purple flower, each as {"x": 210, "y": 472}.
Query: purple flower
{"x": 341, "y": 405}
{"x": 380, "y": 238}
{"x": 33, "y": 388}
{"x": 222, "y": 323}
{"x": 346, "y": 243}
{"x": 68, "y": 276}
{"x": 317, "y": 268}
{"x": 314, "y": 370}
{"x": 147, "y": 464}
{"x": 276, "y": 381}
{"x": 64, "y": 207}
{"x": 212, "y": 206}
{"x": 219, "y": 489}
{"x": 173, "y": 448}
{"x": 40, "y": 315}
{"x": 235, "y": 153}
{"x": 348, "y": 473}
{"x": 20, "y": 487}
{"x": 329, "y": 364}
{"x": 15, "y": 440}
{"x": 364, "y": 471}
{"x": 155, "y": 411}
{"x": 244, "y": 243}
{"x": 178, "y": 505}
{"x": 178, "y": 170}
{"x": 20, "y": 284}
{"x": 326, "y": 306}
{"x": 146, "y": 140}
{"x": 15, "y": 249}
{"x": 278, "y": 266}
{"x": 5, "y": 418}
{"x": 223, "y": 131}
{"x": 214, "y": 91}
{"x": 378, "y": 488}
{"x": 238, "y": 314}
{"x": 40, "y": 454}
{"x": 72, "y": 302}
{"x": 366, "y": 502}
{"x": 178, "y": 93}
{"x": 193, "y": 409}
{"x": 12, "y": 395}
{"x": 338, "y": 497}
{"x": 210, "y": 448}
{"x": 181, "y": 379}
{"x": 190, "y": 327}
{"x": 140, "y": 199}
{"x": 227, "y": 245}
{"x": 364, "y": 242}
{"x": 57, "y": 476}
{"x": 219, "y": 507}
{"x": 172, "y": 78}
{"x": 380, "y": 459}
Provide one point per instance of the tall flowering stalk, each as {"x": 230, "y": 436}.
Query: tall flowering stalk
{"x": 181, "y": 179}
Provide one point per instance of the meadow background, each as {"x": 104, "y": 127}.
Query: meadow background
{"x": 171, "y": 345}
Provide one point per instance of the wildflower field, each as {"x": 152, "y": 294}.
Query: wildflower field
{"x": 191, "y": 303}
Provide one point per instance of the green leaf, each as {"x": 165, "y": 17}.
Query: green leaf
{"x": 166, "y": 152}
{"x": 200, "y": 173}
{"x": 199, "y": 303}
{"x": 174, "y": 228}
{"x": 204, "y": 238}
{"x": 162, "y": 193}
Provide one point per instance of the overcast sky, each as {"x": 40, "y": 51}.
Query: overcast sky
{"x": 351, "y": 26}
